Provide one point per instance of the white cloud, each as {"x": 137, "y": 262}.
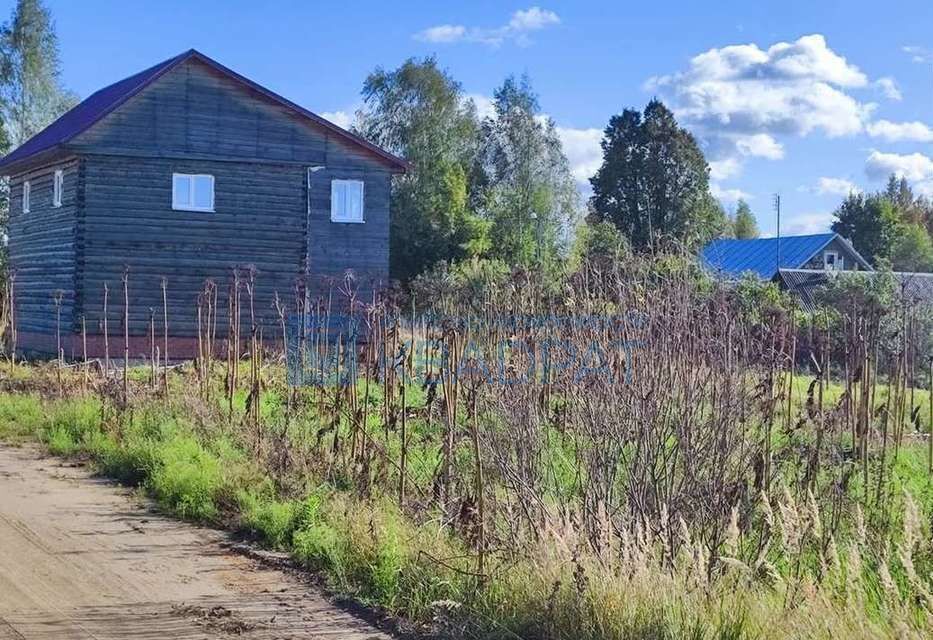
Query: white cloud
{"x": 517, "y": 29}
{"x": 900, "y": 131}
{"x": 343, "y": 119}
{"x": 442, "y": 33}
{"x": 583, "y": 151}
{"x": 485, "y": 108}
{"x": 722, "y": 169}
{"x": 728, "y": 196}
{"x": 915, "y": 167}
{"x": 760, "y": 145}
{"x": 739, "y": 98}
{"x": 920, "y": 55}
{"x": 581, "y": 146}
{"x": 533, "y": 19}
{"x": 889, "y": 88}
{"x": 835, "y": 187}
{"x": 804, "y": 223}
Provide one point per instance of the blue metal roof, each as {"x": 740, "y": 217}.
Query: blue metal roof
{"x": 102, "y": 102}
{"x": 759, "y": 256}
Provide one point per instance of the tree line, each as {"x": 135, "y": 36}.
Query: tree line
{"x": 496, "y": 188}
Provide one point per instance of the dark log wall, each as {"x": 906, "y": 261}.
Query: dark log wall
{"x": 194, "y": 120}
{"x": 334, "y": 248}
{"x": 128, "y": 222}
{"x": 42, "y": 248}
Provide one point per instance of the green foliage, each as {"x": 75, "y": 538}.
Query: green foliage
{"x": 759, "y": 301}
{"x": 31, "y": 93}
{"x": 469, "y": 282}
{"x": 273, "y": 520}
{"x": 418, "y": 111}
{"x": 21, "y": 417}
{"x": 744, "y": 226}
{"x": 187, "y": 478}
{"x": 870, "y": 222}
{"x": 530, "y": 197}
{"x": 912, "y": 249}
{"x": 858, "y": 293}
{"x": 654, "y": 181}
{"x": 599, "y": 242}
{"x": 890, "y": 227}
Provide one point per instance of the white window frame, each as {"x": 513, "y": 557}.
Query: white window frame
{"x": 837, "y": 261}
{"x": 27, "y": 195}
{"x": 334, "y": 216}
{"x": 191, "y": 207}
{"x": 58, "y": 186}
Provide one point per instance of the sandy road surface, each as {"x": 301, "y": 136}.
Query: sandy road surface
{"x": 82, "y": 559}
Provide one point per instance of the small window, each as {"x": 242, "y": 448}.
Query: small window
{"x": 192, "y": 192}
{"x": 27, "y": 193}
{"x": 346, "y": 200}
{"x": 57, "y": 184}
{"x": 832, "y": 261}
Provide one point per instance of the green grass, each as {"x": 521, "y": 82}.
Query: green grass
{"x": 198, "y": 467}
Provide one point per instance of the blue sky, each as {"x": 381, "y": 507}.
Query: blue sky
{"x": 808, "y": 99}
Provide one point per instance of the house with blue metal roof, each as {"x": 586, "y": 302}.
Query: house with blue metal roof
{"x": 765, "y": 257}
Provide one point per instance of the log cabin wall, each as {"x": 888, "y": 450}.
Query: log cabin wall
{"x": 271, "y": 214}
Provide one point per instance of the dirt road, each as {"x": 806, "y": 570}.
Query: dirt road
{"x": 81, "y": 558}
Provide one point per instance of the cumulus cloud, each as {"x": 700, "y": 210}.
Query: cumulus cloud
{"x": 889, "y": 88}
{"x": 442, "y": 33}
{"x": 532, "y": 19}
{"x": 804, "y": 223}
{"x": 759, "y": 145}
{"x": 725, "y": 168}
{"x": 835, "y": 187}
{"x": 738, "y": 98}
{"x": 915, "y": 167}
{"x": 485, "y": 108}
{"x": 900, "y": 131}
{"x": 727, "y": 196}
{"x": 583, "y": 151}
{"x": 517, "y": 29}
{"x": 343, "y": 119}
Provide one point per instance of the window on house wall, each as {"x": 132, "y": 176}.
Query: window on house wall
{"x": 58, "y": 183}
{"x": 346, "y": 200}
{"x": 192, "y": 192}
{"x": 832, "y": 261}
{"x": 27, "y": 196}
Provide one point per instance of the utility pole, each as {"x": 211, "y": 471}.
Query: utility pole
{"x": 777, "y": 210}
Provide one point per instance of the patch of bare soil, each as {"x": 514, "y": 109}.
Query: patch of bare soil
{"x": 82, "y": 558}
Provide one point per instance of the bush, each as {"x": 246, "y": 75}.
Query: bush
{"x": 187, "y": 478}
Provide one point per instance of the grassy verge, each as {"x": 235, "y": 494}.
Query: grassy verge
{"x": 365, "y": 548}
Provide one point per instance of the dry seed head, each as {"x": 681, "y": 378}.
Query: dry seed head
{"x": 732, "y": 533}
{"x": 815, "y": 521}
{"x": 860, "y": 526}
{"x": 912, "y": 524}
{"x": 790, "y": 524}
{"x": 887, "y": 582}
{"x": 766, "y": 510}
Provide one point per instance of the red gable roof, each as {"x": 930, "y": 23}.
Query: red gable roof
{"x": 103, "y": 102}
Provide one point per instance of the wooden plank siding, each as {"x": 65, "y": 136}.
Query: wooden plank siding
{"x": 128, "y": 221}
{"x": 268, "y": 216}
{"x": 42, "y": 247}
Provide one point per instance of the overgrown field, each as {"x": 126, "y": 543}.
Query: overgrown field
{"x": 631, "y": 454}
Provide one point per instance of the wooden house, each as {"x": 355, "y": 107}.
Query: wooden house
{"x": 185, "y": 173}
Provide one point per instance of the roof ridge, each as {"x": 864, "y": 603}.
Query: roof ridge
{"x": 104, "y": 101}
